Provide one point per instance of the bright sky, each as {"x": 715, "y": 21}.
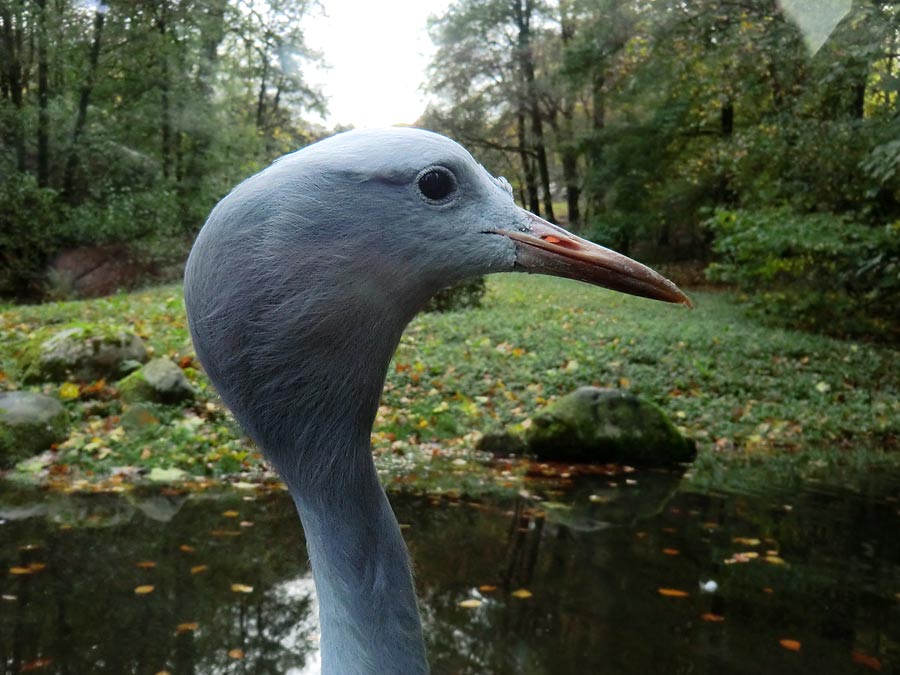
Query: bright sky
{"x": 378, "y": 51}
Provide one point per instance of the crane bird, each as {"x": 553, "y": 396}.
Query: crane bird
{"x": 297, "y": 290}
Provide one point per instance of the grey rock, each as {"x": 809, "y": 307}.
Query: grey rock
{"x": 83, "y": 352}
{"x": 159, "y": 381}
{"x": 606, "y": 425}
{"x": 29, "y": 424}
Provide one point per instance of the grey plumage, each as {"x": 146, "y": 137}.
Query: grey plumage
{"x": 297, "y": 291}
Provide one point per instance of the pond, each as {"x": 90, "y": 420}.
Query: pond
{"x": 626, "y": 573}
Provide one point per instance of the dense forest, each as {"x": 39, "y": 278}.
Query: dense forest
{"x": 721, "y": 131}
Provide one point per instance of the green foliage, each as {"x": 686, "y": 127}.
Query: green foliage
{"x": 464, "y": 295}
{"x": 813, "y": 270}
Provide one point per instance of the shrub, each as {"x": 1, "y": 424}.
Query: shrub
{"x": 816, "y": 270}
{"x": 461, "y": 296}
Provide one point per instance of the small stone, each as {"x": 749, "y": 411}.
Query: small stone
{"x": 159, "y": 381}
{"x": 29, "y": 424}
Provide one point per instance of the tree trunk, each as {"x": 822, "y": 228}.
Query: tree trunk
{"x": 534, "y": 203}
{"x": 43, "y": 125}
{"x": 595, "y": 156}
{"x": 728, "y": 118}
{"x": 568, "y": 150}
{"x": 523, "y": 10}
{"x": 11, "y": 38}
{"x": 83, "y": 102}
{"x": 165, "y": 106}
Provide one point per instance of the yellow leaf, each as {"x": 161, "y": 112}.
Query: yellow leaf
{"x": 230, "y": 514}
{"x": 746, "y": 541}
{"x": 792, "y": 645}
{"x": 470, "y": 604}
{"x": 187, "y": 627}
{"x": 197, "y": 569}
{"x": 522, "y": 594}
{"x": 774, "y": 560}
{"x": 19, "y": 570}
{"x": 69, "y": 390}
{"x": 672, "y": 592}
{"x": 236, "y": 653}
{"x": 144, "y": 590}
{"x": 241, "y": 588}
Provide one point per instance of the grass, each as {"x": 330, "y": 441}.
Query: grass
{"x": 771, "y": 402}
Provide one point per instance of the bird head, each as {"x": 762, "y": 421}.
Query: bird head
{"x": 307, "y": 273}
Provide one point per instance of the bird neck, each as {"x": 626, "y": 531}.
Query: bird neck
{"x": 368, "y": 613}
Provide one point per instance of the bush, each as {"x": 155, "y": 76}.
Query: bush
{"x": 816, "y": 270}
{"x": 466, "y": 295}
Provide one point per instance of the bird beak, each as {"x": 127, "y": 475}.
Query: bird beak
{"x": 544, "y": 248}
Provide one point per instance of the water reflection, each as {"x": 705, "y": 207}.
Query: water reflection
{"x": 593, "y": 560}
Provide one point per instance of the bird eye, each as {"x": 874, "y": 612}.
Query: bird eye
{"x": 436, "y": 183}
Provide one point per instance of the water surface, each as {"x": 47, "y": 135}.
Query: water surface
{"x": 805, "y": 581}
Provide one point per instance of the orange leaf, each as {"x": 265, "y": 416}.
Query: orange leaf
{"x": 236, "y": 653}
{"x": 36, "y": 566}
{"x": 672, "y": 592}
{"x": 37, "y": 664}
{"x": 792, "y": 645}
{"x": 487, "y": 588}
{"x": 146, "y": 564}
{"x": 19, "y": 570}
{"x": 671, "y": 551}
{"x": 187, "y": 627}
{"x": 864, "y": 659}
{"x": 144, "y": 590}
{"x": 186, "y": 548}
{"x": 197, "y": 569}
{"x": 715, "y": 618}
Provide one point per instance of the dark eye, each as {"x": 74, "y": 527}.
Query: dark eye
{"x": 436, "y": 183}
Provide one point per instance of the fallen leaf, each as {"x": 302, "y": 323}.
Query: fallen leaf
{"x": 746, "y": 541}
{"x": 768, "y": 590}
{"x": 714, "y": 618}
{"x": 774, "y": 560}
{"x": 37, "y": 664}
{"x": 197, "y": 569}
{"x": 69, "y": 390}
{"x": 671, "y": 551}
{"x": 187, "y": 627}
{"x": 864, "y": 659}
{"x": 792, "y": 645}
{"x": 36, "y": 566}
{"x": 241, "y": 588}
{"x": 146, "y": 564}
{"x": 19, "y": 570}
{"x": 672, "y": 592}
{"x": 236, "y": 653}
{"x": 522, "y": 594}
{"x": 487, "y": 588}
{"x": 472, "y": 603}
{"x": 186, "y": 548}
{"x": 144, "y": 590}
{"x": 230, "y": 514}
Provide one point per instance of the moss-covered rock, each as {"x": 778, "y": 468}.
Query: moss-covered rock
{"x": 159, "y": 381}
{"x": 84, "y": 352}
{"x": 29, "y": 423}
{"x": 606, "y": 425}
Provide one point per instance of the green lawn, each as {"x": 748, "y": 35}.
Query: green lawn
{"x": 787, "y": 403}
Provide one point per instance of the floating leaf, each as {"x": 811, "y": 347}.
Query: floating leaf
{"x": 746, "y": 541}
{"x": 487, "y": 588}
{"x": 713, "y": 618}
{"x": 522, "y": 594}
{"x": 144, "y": 590}
{"x": 37, "y": 664}
{"x": 471, "y": 603}
{"x": 792, "y": 645}
{"x": 36, "y": 566}
{"x": 241, "y": 588}
{"x": 864, "y": 659}
{"x": 774, "y": 560}
{"x": 671, "y": 551}
{"x": 19, "y": 570}
{"x": 187, "y": 627}
{"x": 230, "y": 514}
{"x": 672, "y": 592}
{"x": 197, "y": 569}
{"x": 236, "y": 653}
{"x": 186, "y": 548}
{"x": 145, "y": 564}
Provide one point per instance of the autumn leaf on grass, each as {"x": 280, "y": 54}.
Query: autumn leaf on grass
{"x": 672, "y": 592}
{"x": 144, "y": 590}
{"x": 69, "y": 391}
{"x": 522, "y": 594}
{"x": 236, "y": 653}
{"x": 864, "y": 659}
{"x": 791, "y": 645}
{"x": 241, "y": 588}
{"x": 472, "y": 603}
{"x": 197, "y": 569}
